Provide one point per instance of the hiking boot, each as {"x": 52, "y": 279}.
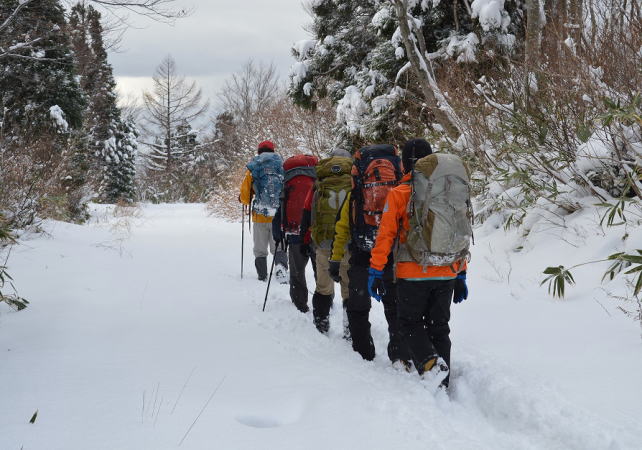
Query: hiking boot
{"x": 322, "y": 324}
{"x": 434, "y": 371}
{"x": 346, "y": 334}
{"x": 346, "y": 326}
{"x": 402, "y": 364}
{"x": 304, "y": 308}
{"x": 261, "y": 267}
{"x": 321, "y": 305}
{"x": 281, "y": 274}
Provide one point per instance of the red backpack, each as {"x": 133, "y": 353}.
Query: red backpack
{"x": 300, "y": 175}
{"x": 375, "y": 171}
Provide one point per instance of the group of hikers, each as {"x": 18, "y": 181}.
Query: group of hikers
{"x": 383, "y": 226}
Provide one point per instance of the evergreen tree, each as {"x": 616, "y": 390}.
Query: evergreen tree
{"x": 38, "y": 88}
{"x": 120, "y": 170}
{"x": 357, "y": 58}
{"x": 42, "y": 111}
{"x": 350, "y": 61}
{"x": 186, "y": 143}
{"x": 111, "y": 140}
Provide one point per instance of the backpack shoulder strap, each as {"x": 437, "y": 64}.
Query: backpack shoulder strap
{"x": 307, "y": 171}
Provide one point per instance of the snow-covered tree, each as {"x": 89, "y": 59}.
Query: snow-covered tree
{"x": 351, "y": 61}
{"x": 118, "y": 182}
{"x": 358, "y": 58}
{"x": 171, "y": 107}
{"x": 42, "y": 113}
{"x": 38, "y": 88}
{"x": 111, "y": 140}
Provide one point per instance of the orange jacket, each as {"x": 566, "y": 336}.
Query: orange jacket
{"x": 245, "y": 197}
{"x": 394, "y": 213}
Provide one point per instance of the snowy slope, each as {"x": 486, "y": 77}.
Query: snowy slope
{"x": 136, "y": 323}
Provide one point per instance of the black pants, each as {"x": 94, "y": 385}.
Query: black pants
{"x": 358, "y": 308}
{"x": 424, "y": 312}
{"x": 298, "y": 284}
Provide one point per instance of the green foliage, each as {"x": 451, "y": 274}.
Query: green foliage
{"x": 628, "y": 114}
{"x": 514, "y": 220}
{"x": 614, "y": 211}
{"x": 14, "y": 301}
{"x": 622, "y": 261}
{"x": 584, "y": 132}
{"x": 5, "y": 232}
{"x": 557, "y": 279}
{"x": 559, "y": 276}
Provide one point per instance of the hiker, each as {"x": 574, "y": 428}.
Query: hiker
{"x": 286, "y": 226}
{"x": 433, "y": 235}
{"x": 376, "y": 169}
{"x": 332, "y": 186}
{"x": 261, "y": 189}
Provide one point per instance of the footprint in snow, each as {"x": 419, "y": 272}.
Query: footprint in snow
{"x": 259, "y": 421}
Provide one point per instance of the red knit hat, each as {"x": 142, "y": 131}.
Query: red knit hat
{"x": 266, "y": 146}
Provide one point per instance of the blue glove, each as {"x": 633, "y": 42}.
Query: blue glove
{"x": 461, "y": 289}
{"x": 376, "y": 287}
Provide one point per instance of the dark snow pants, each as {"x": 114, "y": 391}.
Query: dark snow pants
{"x": 359, "y": 304}
{"x": 424, "y": 312}
{"x": 298, "y": 284}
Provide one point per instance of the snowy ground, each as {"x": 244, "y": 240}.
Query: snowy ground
{"x": 141, "y": 335}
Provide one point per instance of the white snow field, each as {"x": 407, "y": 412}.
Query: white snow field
{"x": 141, "y": 335}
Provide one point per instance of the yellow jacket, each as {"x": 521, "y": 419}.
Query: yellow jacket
{"x": 341, "y": 232}
{"x": 245, "y": 197}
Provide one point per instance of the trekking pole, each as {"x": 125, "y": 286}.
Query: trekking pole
{"x": 242, "y": 238}
{"x": 269, "y": 279}
{"x": 249, "y": 215}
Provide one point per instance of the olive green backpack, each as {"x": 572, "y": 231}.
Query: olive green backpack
{"x": 331, "y": 188}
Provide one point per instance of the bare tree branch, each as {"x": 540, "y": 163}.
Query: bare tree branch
{"x": 14, "y": 14}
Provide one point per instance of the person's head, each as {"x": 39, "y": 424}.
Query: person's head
{"x": 340, "y": 152}
{"x": 266, "y": 146}
{"x": 413, "y": 150}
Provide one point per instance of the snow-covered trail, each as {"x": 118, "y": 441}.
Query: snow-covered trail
{"x": 141, "y": 335}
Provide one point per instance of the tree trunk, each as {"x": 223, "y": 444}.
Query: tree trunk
{"x": 169, "y": 124}
{"x": 532, "y": 48}
{"x": 416, "y": 56}
{"x": 575, "y": 20}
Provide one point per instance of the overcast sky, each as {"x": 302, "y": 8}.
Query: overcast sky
{"x": 212, "y": 43}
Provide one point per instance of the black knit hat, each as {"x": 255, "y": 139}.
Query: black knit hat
{"x": 413, "y": 150}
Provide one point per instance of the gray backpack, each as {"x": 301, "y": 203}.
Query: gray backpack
{"x": 440, "y": 212}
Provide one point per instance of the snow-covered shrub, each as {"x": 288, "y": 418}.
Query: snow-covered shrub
{"x": 559, "y": 134}
{"x": 547, "y": 138}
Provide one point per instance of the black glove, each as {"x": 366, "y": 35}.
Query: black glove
{"x": 277, "y": 235}
{"x": 333, "y": 269}
{"x": 461, "y": 289}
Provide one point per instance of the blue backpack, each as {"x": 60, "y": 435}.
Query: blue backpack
{"x": 267, "y": 174}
